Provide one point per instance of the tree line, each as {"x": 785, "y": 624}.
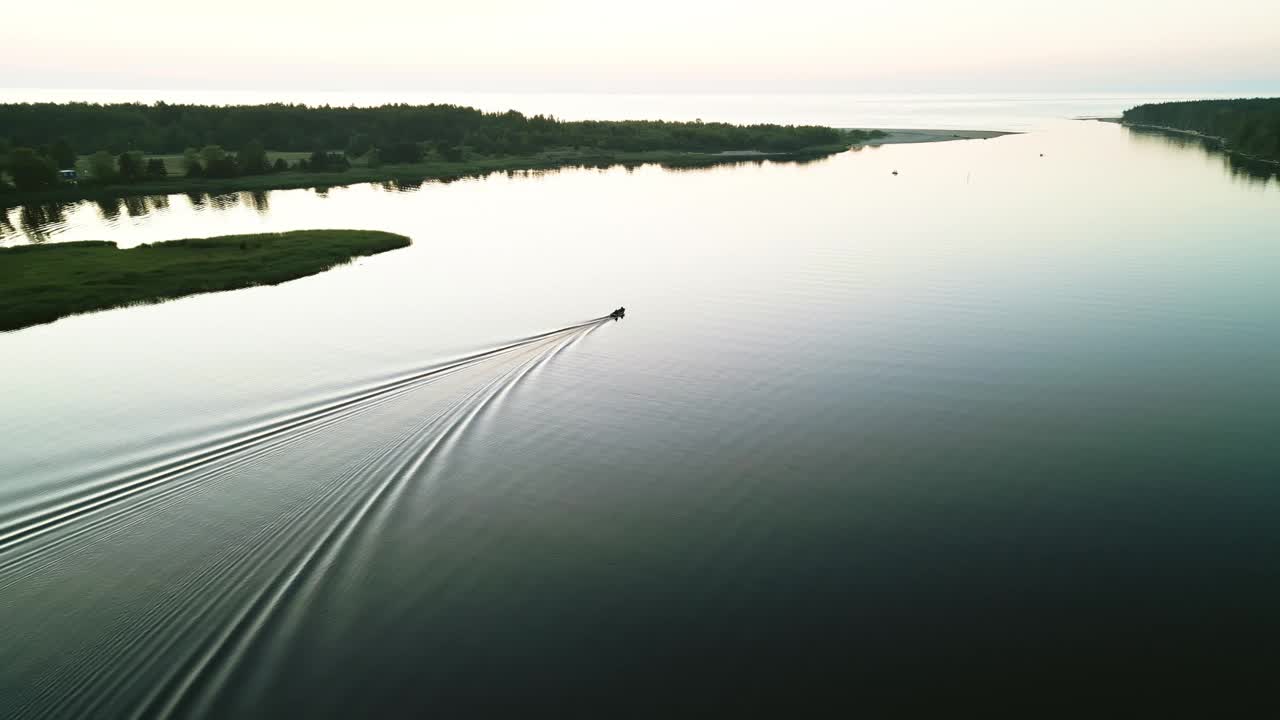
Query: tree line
{"x": 162, "y": 128}
{"x": 1248, "y": 126}
{"x": 33, "y": 170}
{"x": 225, "y": 141}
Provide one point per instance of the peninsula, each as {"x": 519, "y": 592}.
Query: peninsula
{"x": 74, "y": 151}
{"x": 1246, "y": 127}
{"x": 46, "y": 282}
{"x": 904, "y": 136}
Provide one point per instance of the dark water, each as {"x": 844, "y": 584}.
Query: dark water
{"x": 1009, "y": 414}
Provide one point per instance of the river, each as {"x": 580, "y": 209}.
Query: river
{"x": 1012, "y": 407}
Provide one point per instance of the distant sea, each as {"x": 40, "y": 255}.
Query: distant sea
{"x": 1010, "y": 111}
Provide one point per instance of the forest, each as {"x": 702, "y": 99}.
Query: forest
{"x": 1247, "y": 126}
{"x": 163, "y": 128}
{"x": 39, "y": 139}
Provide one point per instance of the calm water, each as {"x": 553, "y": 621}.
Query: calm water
{"x": 1010, "y": 411}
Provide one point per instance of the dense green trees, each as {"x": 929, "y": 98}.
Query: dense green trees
{"x": 860, "y": 136}
{"x": 216, "y": 163}
{"x": 62, "y": 154}
{"x": 455, "y": 153}
{"x": 191, "y": 165}
{"x": 31, "y": 170}
{"x": 212, "y": 155}
{"x": 102, "y": 167}
{"x": 131, "y": 166}
{"x": 401, "y": 152}
{"x": 233, "y": 141}
{"x": 1249, "y": 126}
{"x": 252, "y": 159}
{"x": 164, "y": 128}
{"x": 321, "y": 161}
{"x": 358, "y": 145}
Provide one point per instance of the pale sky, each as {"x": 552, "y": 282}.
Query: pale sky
{"x": 651, "y": 46}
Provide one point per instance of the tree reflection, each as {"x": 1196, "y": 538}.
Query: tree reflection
{"x": 225, "y": 201}
{"x": 136, "y": 206}
{"x": 400, "y": 186}
{"x": 257, "y": 200}
{"x": 1240, "y": 167}
{"x": 40, "y": 222}
{"x": 108, "y": 208}
{"x": 710, "y": 164}
{"x": 7, "y": 230}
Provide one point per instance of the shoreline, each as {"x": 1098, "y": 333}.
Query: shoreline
{"x": 408, "y": 173}
{"x": 1220, "y": 142}
{"x": 49, "y": 282}
{"x": 893, "y": 136}
{"x": 906, "y": 136}
{"x": 450, "y": 171}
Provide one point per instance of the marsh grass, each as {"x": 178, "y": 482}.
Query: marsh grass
{"x": 45, "y": 282}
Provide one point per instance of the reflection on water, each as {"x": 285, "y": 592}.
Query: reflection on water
{"x": 225, "y": 201}
{"x": 48, "y": 221}
{"x": 136, "y": 206}
{"x": 1011, "y": 407}
{"x": 258, "y": 200}
{"x": 108, "y": 209}
{"x": 1238, "y": 166}
{"x": 42, "y": 222}
{"x": 402, "y": 186}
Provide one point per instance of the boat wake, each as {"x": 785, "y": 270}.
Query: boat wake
{"x": 194, "y": 632}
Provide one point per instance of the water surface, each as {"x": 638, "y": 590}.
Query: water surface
{"x": 1009, "y": 410}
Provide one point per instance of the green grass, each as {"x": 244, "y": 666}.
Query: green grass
{"x": 45, "y": 282}
{"x": 430, "y": 169}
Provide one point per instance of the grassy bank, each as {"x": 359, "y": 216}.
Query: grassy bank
{"x": 431, "y": 169}
{"x": 45, "y": 282}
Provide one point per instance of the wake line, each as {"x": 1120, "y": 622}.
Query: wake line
{"x": 198, "y": 606}
{"x": 89, "y": 496}
{"x": 250, "y": 598}
{"x": 193, "y": 687}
